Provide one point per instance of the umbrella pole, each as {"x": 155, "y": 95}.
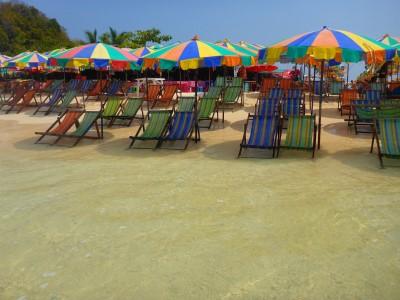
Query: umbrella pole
{"x": 197, "y": 130}
{"x": 313, "y": 89}
{"x": 101, "y": 106}
{"x": 347, "y": 76}
{"x": 320, "y": 103}
{"x": 309, "y": 84}
{"x": 398, "y": 66}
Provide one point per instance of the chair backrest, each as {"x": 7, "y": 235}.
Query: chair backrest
{"x": 153, "y": 90}
{"x": 46, "y": 85}
{"x": 275, "y": 93}
{"x": 169, "y": 91}
{"x": 185, "y": 104}
{"x": 112, "y": 106}
{"x": 286, "y": 84}
{"x": 98, "y": 88}
{"x": 19, "y": 94}
{"x": 237, "y": 81}
{"x": 291, "y": 106}
{"x": 267, "y": 107}
{"x": 347, "y": 96}
{"x": 380, "y": 86}
{"x": 73, "y": 84}
{"x": 68, "y": 97}
{"x": 300, "y": 132}
{"x": 56, "y": 84}
{"x": 157, "y": 123}
{"x": 87, "y": 122}
{"x": 220, "y": 81}
{"x": 373, "y": 96}
{"x": 68, "y": 120}
{"x": 267, "y": 84}
{"x": 389, "y": 135}
{"x": 181, "y": 125}
{"x": 263, "y": 131}
{"x": 335, "y": 87}
{"x": 29, "y": 96}
{"x": 86, "y": 86}
{"x": 232, "y": 94}
{"x": 114, "y": 87}
{"x": 56, "y": 96}
{"x": 293, "y": 93}
{"x": 213, "y": 92}
{"x": 206, "y": 108}
{"x": 131, "y": 107}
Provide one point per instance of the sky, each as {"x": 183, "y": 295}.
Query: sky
{"x": 259, "y": 21}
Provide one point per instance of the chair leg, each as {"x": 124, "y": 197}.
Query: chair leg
{"x": 240, "y": 151}
{"x": 372, "y": 144}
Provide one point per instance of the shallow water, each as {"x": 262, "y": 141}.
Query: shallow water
{"x": 99, "y": 221}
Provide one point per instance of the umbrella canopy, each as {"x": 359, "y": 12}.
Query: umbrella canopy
{"x": 261, "y": 68}
{"x": 192, "y": 54}
{"x": 142, "y": 51}
{"x": 27, "y": 60}
{"x": 248, "y": 55}
{"x": 328, "y": 44}
{"x": 254, "y": 47}
{"x": 99, "y": 55}
{"x": 54, "y": 52}
{"x": 389, "y": 40}
{"x": 3, "y": 58}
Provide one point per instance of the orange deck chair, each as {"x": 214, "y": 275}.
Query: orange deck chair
{"x": 167, "y": 96}
{"x": 345, "y": 98}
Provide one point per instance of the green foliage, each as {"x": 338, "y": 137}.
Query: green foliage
{"x": 23, "y": 28}
{"x": 91, "y": 36}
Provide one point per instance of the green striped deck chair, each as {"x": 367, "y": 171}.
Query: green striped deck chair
{"x": 237, "y": 81}
{"x": 128, "y": 112}
{"x": 112, "y": 107}
{"x": 155, "y": 129}
{"x": 300, "y": 134}
{"x": 263, "y": 133}
{"x": 220, "y": 82}
{"x": 230, "y": 97}
{"x": 213, "y": 92}
{"x": 67, "y": 100}
{"x": 84, "y": 127}
{"x": 387, "y": 134}
{"x": 206, "y": 110}
{"x": 185, "y": 104}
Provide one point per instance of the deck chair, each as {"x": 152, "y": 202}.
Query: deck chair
{"x": 66, "y": 101}
{"x": 267, "y": 107}
{"x": 16, "y": 97}
{"x": 387, "y": 135}
{"x": 300, "y": 135}
{"x": 155, "y": 129}
{"x": 111, "y": 108}
{"x": 73, "y": 84}
{"x": 180, "y": 129}
{"x": 213, "y": 92}
{"x": 379, "y": 86}
{"x": 267, "y": 84}
{"x": 293, "y": 104}
{"x": 373, "y": 96}
{"x": 152, "y": 94}
{"x": 364, "y": 114}
{"x": 96, "y": 89}
{"x": 230, "y": 97}
{"x": 24, "y": 102}
{"x": 335, "y": 87}
{"x": 263, "y": 133}
{"x": 345, "y": 99}
{"x": 83, "y": 128}
{"x": 220, "y": 82}
{"x": 237, "y": 81}
{"x": 63, "y": 123}
{"x": 128, "y": 112}
{"x": 49, "y": 105}
{"x": 85, "y": 86}
{"x": 206, "y": 110}
{"x": 286, "y": 84}
{"x": 185, "y": 104}
{"x": 113, "y": 88}
{"x": 167, "y": 96}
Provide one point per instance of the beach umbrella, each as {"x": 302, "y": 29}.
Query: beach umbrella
{"x": 327, "y": 44}
{"x": 54, "y": 52}
{"x": 3, "y": 59}
{"x": 254, "y": 47}
{"x": 191, "y": 55}
{"x": 248, "y": 56}
{"x": 389, "y": 40}
{"x": 27, "y": 60}
{"x": 142, "y": 51}
{"x": 97, "y": 55}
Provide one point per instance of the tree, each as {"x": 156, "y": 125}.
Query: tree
{"x": 112, "y": 37}
{"x": 24, "y": 27}
{"x": 91, "y": 36}
{"x": 141, "y": 37}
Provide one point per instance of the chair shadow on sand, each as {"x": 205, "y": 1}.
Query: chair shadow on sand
{"x": 342, "y": 129}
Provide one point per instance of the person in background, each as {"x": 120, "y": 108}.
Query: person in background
{"x": 242, "y": 73}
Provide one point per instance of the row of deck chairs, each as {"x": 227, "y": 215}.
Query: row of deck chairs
{"x": 276, "y": 112}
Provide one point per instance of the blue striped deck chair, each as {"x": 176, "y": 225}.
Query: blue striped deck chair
{"x": 73, "y": 84}
{"x": 387, "y": 135}
{"x": 114, "y": 87}
{"x": 292, "y": 107}
{"x": 263, "y": 133}
{"x": 317, "y": 87}
{"x": 180, "y": 128}
{"x": 373, "y": 96}
{"x": 379, "y": 86}
{"x": 86, "y": 86}
{"x": 53, "y": 100}
{"x": 275, "y": 93}
{"x": 267, "y": 107}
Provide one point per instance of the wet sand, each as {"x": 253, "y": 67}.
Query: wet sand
{"x": 99, "y": 221}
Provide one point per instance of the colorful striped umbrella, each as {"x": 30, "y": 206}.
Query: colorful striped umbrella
{"x": 3, "y": 58}
{"x": 254, "y": 47}
{"x": 192, "y": 54}
{"x": 389, "y": 40}
{"x": 99, "y": 55}
{"x": 27, "y": 60}
{"x": 142, "y": 51}
{"x": 54, "y": 52}
{"x": 248, "y": 55}
{"x": 327, "y": 44}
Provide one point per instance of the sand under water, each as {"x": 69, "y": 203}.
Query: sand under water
{"x": 99, "y": 221}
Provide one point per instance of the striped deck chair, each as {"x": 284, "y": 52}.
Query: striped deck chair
{"x": 152, "y": 94}
{"x": 237, "y": 81}
{"x": 293, "y": 103}
{"x": 373, "y": 96}
{"x": 113, "y": 88}
{"x": 86, "y": 86}
{"x": 111, "y": 107}
{"x": 387, "y": 135}
{"x": 206, "y": 110}
{"x": 379, "y": 86}
{"x": 49, "y": 105}
{"x": 286, "y": 84}
{"x": 335, "y": 87}
{"x": 213, "y": 92}
{"x": 346, "y": 97}
{"x": 364, "y": 114}
{"x": 96, "y": 89}
{"x": 24, "y": 102}
{"x": 220, "y": 82}
{"x": 230, "y": 97}
{"x": 275, "y": 93}
{"x": 155, "y": 129}
{"x": 128, "y": 112}
{"x": 267, "y": 107}
{"x": 180, "y": 128}
{"x": 84, "y": 127}
{"x": 63, "y": 123}
{"x": 167, "y": 96}
{"x": 185, "y": 104}
{"x": 16, "y": 97}
{"x": 263, "y": 133}
{"x": 73, "y": 84}
{"x": 66, "y": 101}
{"x": 301, "y": 134}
